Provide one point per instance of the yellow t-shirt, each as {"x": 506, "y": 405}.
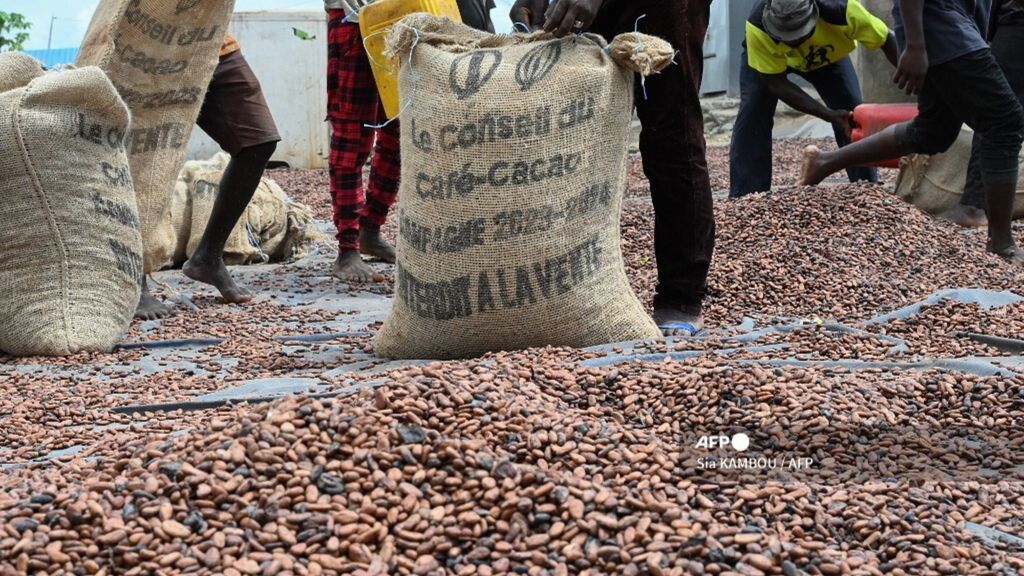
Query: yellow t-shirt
{"x": 842, "y": 24}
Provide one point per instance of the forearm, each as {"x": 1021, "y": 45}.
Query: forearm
{"x": 913, "y": 22}
{"x": 892, "y": 52}
{"x": 796, "y": 97}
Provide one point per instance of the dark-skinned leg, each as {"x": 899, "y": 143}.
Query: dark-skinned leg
{"x": 1006, "y": 48}
{"x": 149, "y": 307}
{"x": 351, "y": 143}
{"x": 1000, "y": 197}
{"x": 381, "y": 193}
{"x": 981, "y": 92}
{"x": 237, "y": 186}
{"x": 880, "y": 146}
{"x": 971, "y": 212}
{"x": 839, "y": 87}
{"x": 673, "y": 151}
{"x": 934, "y": 130}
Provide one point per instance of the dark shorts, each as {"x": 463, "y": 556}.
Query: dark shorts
{"x": 235, "y": 113}
{"x": 972, "y": 90}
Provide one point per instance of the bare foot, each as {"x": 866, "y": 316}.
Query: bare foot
{"x": 1011, "y": 253}
{"x": 150, "y": 308}
{"x": 965, "y": 216}
{"x": 215, "y": 273}
{"x": 685, "y": 321}
{"x": 349, "y": 267}
{"x": 372, "y": 244}
{"x": 812, "y": 171}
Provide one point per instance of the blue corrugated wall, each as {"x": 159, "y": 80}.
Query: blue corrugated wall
{"x": 54, "y": 56}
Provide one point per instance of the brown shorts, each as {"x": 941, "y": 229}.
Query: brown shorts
{"x": 235, "y": 113}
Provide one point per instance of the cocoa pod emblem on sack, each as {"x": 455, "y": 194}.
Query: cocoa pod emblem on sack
{"x": 470, "y": 72}
{"x": 185, "y": 6}
{"x": 537, "y": 64}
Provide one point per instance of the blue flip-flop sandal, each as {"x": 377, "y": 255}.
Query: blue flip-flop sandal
{"x": 673, "y": 326}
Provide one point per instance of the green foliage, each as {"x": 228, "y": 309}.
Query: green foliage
{"x": 13, "y": 33}
{"x": 302, "y": 34}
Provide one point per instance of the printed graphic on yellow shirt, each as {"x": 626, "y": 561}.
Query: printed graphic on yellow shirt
{"x": 818, "y": 56}
{"x": 842, "y": 25}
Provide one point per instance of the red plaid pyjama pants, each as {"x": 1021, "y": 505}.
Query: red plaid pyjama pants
{"x": 353, "y": 102}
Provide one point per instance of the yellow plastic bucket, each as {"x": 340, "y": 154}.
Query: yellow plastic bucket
{"x": 375, "y": 22}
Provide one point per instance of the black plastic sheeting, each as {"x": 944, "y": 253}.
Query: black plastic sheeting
{"x": 748, "y": 333}
{"x": 744, "y": 335}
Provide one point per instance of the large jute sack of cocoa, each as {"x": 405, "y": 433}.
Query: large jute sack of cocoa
{"x": 513, "y": 171}
{"x": 70, "y": 248}
{"x": 161, "y": 55}
{"x": 935, "y": 183}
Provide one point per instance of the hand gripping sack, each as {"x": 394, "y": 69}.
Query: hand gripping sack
{"x": 70, "y": 248}
{"x": 513, "y": 171}
{"x": 161, "y": 55}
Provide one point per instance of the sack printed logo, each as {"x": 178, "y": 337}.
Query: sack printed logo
{"x": 470, "y": 72}
{"x": 537, "y": 64}
{"x": 818, "y": 56}
{"x": 185, "y": 6}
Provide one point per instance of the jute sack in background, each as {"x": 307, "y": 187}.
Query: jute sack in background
{"x": 18, "y": 70}
{"x": 178, "y": 227}
{"x": 285, "y": 229}
{"x": 177, "y": 230}
{"x": 936, "y": 183}
{"x": 513, "y": 170}
{"x": 70, "y": 248}
{"x": 240, "y": 249}
{"x": 161, "y": 55}
{"x": 273, "y": 228}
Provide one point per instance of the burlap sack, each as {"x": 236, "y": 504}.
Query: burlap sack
{"x": 273, "y": 228}
{"x": 241, "y": 248}
{"x": 935, "y": 183}
{"x": 18, "y": 70}
{"x": 70, "y": 248}
{"x": 161, "y": 55}
{"x": 177, "y": 230}
{"x": 513, "y": 171}
{"x": 285, "y": 228}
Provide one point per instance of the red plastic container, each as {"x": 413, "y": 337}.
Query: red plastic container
{"x": 871, "y": 118}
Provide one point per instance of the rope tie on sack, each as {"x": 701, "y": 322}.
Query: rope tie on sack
{"x": 639, "y": 47}
{"x": 641, "y": 53}
{"x": 412, "y": 74}
{"x": 645, "y": 55}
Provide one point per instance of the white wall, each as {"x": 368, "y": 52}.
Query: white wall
{"x": 502, "y": 23}
{"x": 293, "y": 73}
